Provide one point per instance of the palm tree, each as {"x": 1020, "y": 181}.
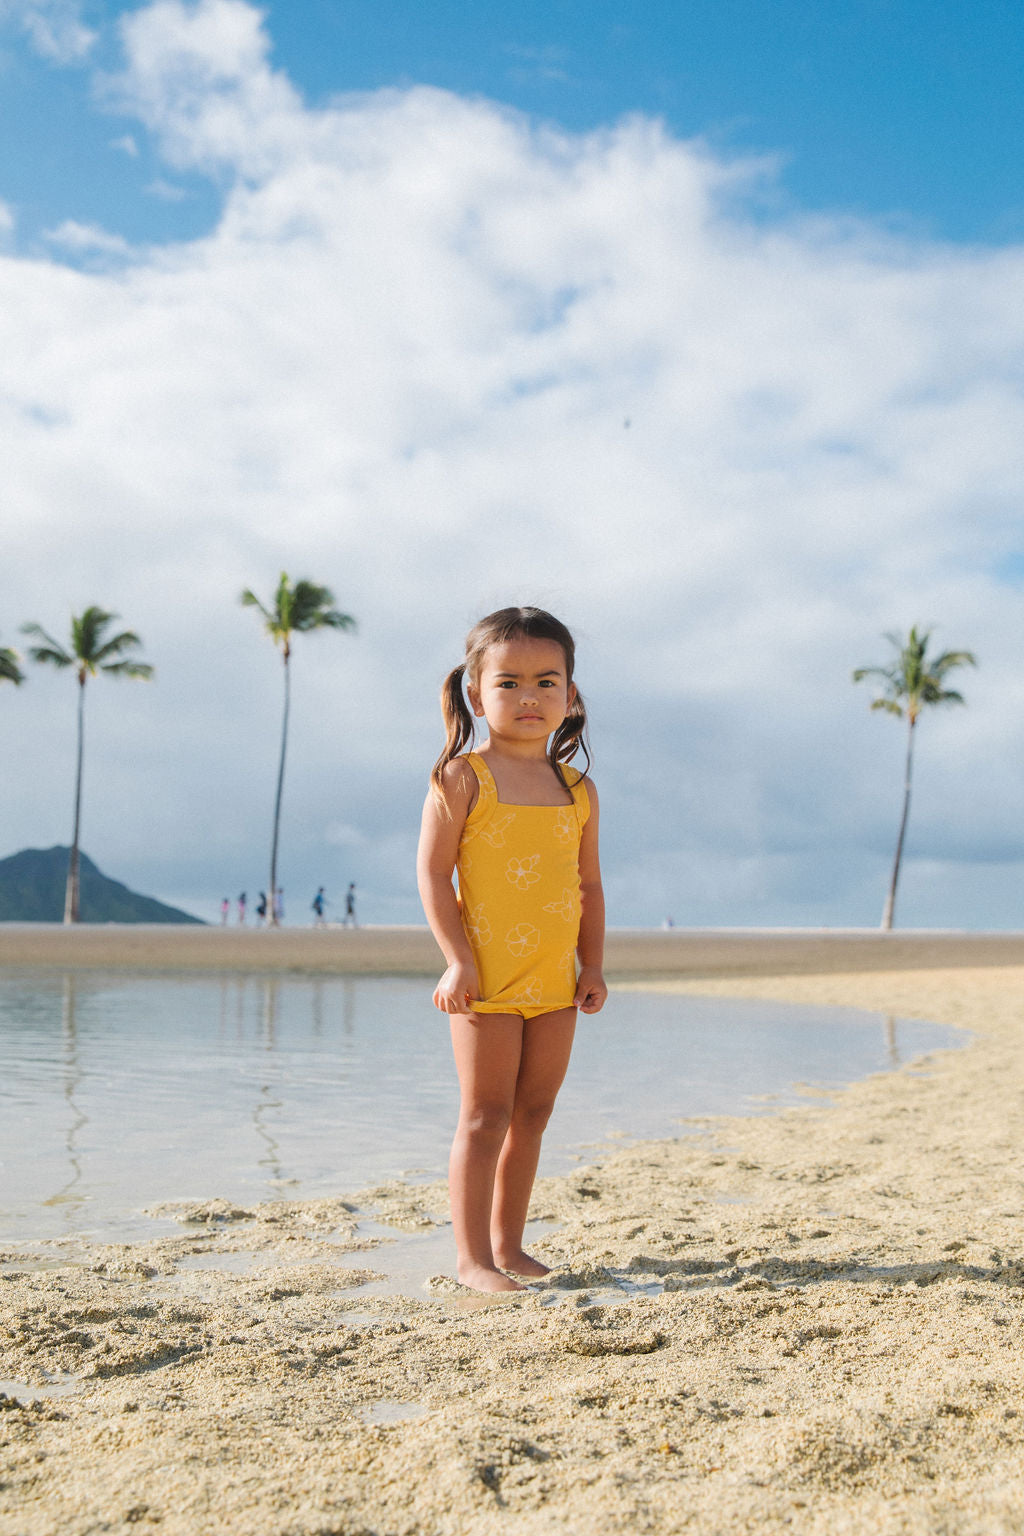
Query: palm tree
{"x": 10, "y": 671}
{"x": 910, "y": 683}
{"x": 90, "y": 652}
{"x": 295, "y": 610}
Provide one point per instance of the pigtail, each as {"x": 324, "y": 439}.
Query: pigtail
{"x": 459, "y": 728}
{"x": 570, "y": 738}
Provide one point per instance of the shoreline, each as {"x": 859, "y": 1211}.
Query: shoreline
{"x": 631, "y": 954}
{"x": 818, "y": 1329}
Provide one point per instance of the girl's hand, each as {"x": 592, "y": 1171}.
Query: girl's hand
{"x": 458, "y": 988}
{"x": 590, "y": 990}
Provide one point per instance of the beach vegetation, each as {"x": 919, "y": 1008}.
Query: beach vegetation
{"x": 912, "y": 682}
{"x": 296, "y": 608}
{"x": 91, "y": 650}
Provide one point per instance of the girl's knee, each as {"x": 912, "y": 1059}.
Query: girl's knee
{"x": 486, "y": 1122}
{"x": 533, "y": 1115}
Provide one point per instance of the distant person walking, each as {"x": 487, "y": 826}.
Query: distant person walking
{"x": 319, "y": 902}
{"x": 261, "y": 909}
{"x": 241, "y": 910}
{"x": 225, "y": 908}
{"x": 349, "y": 920}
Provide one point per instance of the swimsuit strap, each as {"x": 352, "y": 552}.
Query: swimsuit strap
{"x": 487, "y": 791}
{"x": 578, "y": 790}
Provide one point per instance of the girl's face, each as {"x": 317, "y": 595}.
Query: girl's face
{"x": 523, "y": 690}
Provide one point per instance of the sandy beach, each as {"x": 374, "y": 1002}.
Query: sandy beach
{"x": 411, "y": 951}
{"x": 801, "y": 1321}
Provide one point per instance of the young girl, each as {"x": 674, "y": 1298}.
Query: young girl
{"x": 520, "y": 828}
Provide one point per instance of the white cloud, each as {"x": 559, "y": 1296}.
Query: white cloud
{"x": 54, "y": 27}
{"x": 198, "y": 75}
{"x": 401, "y": 364}
{"x": 87, "y": 239}
{"x": 127, "y": 144}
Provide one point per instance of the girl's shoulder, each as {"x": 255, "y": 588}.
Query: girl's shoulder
{"x": 576, "y": 779}
{"x": 460, "y": 788}
{"x": 459, "y": 776}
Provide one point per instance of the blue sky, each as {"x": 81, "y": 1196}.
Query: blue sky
{"x": 293, "y": 288}
{"x": 913, "y": 113}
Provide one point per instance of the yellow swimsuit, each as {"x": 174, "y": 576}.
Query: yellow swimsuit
{"x": 519, "y": 890}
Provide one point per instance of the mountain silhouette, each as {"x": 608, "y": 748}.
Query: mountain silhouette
{"x": 32, "y": 891}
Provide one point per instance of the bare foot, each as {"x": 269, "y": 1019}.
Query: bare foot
{"x": 479, "y": 1278}
{"x": 521, "y": 1263}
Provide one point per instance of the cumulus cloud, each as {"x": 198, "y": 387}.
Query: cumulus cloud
{"x": 198, "y": 76}
{"x": 54, "y": 27}
{"x": 443, "y": 359}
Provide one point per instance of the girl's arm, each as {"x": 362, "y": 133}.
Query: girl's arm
{"x": 435, "y": 864}
{"x": 590, "y": 988}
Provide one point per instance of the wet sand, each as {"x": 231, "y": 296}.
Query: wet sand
{"x": 412, "y": 951}
{"x": 805, "y": 1321}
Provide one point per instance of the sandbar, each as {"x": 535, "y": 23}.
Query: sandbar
{"x": 411, "y": 951}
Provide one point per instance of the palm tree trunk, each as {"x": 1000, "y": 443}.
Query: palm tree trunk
{"x": 890, "y": 900}
{"x": 71, "y": 903}
{"x": 280, "y": 789}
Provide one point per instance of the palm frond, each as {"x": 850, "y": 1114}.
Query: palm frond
{"x": 10, "y": 671}
{"x": 127, "y": 640}
{"x": 950, "y": 659}
{"x": 51, "y": 653}
{"x": 50, "y": 656}
{"x": 326, "y": 618}
{"x": 127, "y": 668}
{"x": 308, "y": 601}
{"x": 249, "y": 599}
{"x": 87, "y": 634}
{"x": 889, "y": 705}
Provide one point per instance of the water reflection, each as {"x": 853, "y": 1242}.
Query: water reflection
{"x": 69, "y": 1194}
{"x": 271, "y": 1160}
{"x": 892, "y": 1049}
{"x": 121, "y": 1091}
{"x": 271, "y": 987}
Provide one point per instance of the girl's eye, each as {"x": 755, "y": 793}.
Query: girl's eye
{"x": 507, "y": 683}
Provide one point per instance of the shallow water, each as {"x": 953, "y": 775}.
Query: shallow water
{"x": 118, "y": 1091}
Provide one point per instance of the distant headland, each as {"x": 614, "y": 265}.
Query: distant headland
{"x": 32, "y": 886}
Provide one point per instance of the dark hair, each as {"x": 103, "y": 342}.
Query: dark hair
{"x": 496, "y": 629}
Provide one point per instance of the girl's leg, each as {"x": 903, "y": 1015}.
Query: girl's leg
{"x": 488, "y": 1049}
{"x": 547, "y": 1041}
